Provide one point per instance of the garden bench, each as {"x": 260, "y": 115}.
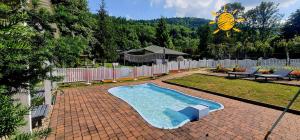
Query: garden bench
{"x": 40, "y": 94}
{"x": 38, "y": 113}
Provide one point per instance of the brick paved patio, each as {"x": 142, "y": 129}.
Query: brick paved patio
{"x": 92, "y": 113}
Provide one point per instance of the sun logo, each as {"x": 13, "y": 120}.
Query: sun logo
{"x": 226, "y": 21}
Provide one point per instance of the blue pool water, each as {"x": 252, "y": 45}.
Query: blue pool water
{"x": 159, "y": 106}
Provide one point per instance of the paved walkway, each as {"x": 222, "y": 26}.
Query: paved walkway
{"x": 92, "y": 113}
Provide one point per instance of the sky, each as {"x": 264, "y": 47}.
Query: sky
{"x": 152, "y": 9}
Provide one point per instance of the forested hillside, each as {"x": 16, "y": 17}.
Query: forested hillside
{"x": 189, "y": 22}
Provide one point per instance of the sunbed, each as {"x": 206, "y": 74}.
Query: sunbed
{"x": 279, "y": 74}
{"x": 248, "y": 73}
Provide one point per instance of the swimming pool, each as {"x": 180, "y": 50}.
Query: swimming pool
{"x": 159, "y": 106}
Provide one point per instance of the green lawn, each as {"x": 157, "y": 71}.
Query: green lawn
{"x": 269, "y": 93}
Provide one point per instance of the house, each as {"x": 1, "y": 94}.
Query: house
{"x": 150, "y": 54}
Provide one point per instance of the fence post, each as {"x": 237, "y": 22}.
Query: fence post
{"x": 135, "y": 73}
{"x": 178, "y": 65}
{"x": 152, "y": 71}
{"x": 166, "y": 68}
{"x": 87, "y": 76}
{"x": 24, "y": 98}
{"x": 114, "y": 74}
{"x": 48, "y": 92}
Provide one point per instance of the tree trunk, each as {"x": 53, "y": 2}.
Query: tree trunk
{"x": 287, "y": 56}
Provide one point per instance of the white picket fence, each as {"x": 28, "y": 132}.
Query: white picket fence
{"x": 103, "y": 73}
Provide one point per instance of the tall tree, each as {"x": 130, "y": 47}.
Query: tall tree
{"x": 105, "y": 49}
{"x": 23, "y": 52}
{"x": 292, "y": 26}
{"x": 264, "y": 19}
{"x": 162, "y": 35}
{"x": 204, "y": 34}
{"x": 289, "y": 46}
{"x": 235, "y": 7}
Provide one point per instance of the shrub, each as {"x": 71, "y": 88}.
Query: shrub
{"x": 264, "y": 71}
{"x": 32, "y": 136}
{"x": 237, "y": 69}
{"x": 11, "y": 115}
{"x": 221, "y": 69}
{"x": 295, "y": 73}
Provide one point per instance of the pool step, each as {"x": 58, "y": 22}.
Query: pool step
{"x": 195, "y": 112}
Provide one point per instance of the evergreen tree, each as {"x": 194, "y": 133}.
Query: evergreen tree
{"x": 23, "y": 52}
{"x": 162, "y": 35}
{"x": 204, "y": 34}
{"x": 105, "y": 49}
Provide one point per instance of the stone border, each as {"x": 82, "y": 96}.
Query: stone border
{"x": 239, "y": 99}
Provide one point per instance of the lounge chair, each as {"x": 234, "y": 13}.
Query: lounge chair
{"x": 248, "y": 73}
{"x": 279, "y": 74}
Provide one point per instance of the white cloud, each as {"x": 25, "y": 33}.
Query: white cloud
{"x": 128, "y": 17}
{"x": 202, "y": 8}
{"x": 154, "y": 2}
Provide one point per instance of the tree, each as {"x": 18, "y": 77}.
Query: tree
{"x": 204, "y": 33}
{"x": 22, "y": 65}
{"x": 126, "y": 37}
{"x": 235, "y": 6}
{"x": 248, "y": 46}
{"x": 162, "y": 35}
{"x": 218, "y": 50}
{"x": 67, "y": 50}
{"x": 73, "y": 18}
{"x": 12, "y": 12}
{"x": 292, "y": 26}
{"x": 11, "y": 115}
{"x": 146, "y": 34}
{"x": 288, "y": 45}
{"x": 263, "y": 47}
{"x": 264, "y": 19}
{"x": 105, "y": 49}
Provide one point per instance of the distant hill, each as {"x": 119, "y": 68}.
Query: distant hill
{"x": 186, "y": 21}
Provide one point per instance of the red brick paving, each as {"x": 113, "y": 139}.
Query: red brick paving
{"x": 92, "y": 113}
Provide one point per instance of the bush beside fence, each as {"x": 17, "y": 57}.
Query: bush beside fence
{"x": 102, "y": 73}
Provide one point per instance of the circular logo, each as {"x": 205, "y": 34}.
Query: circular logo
{"x": 226, "y": 21}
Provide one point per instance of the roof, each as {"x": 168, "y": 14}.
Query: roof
{"x": 158, "y": 50}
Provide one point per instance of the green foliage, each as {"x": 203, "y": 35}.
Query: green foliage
{"x": 23, "y": 52}
{"x": 127, "y": 38}
{"x": 189, "y": 22}
{"x": 34, "y": 136}
{"x": 11, "y": 13}
{"x": 73, "y": 18}
{"x": 264, "y": 20}
{"x": 66, "y": 50}
{"x": 23, "y": 57}
{"x": 205, "y": 36}
{"x": 292, "y": 26}
{"x": 37, "y": 101}
{"x": 11, "y": 114}
{"x": 162, "y": 35}
{"x": 106, "y": 48}
{"x": 146, "y": 34}
{"x": 263, "y": 47}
